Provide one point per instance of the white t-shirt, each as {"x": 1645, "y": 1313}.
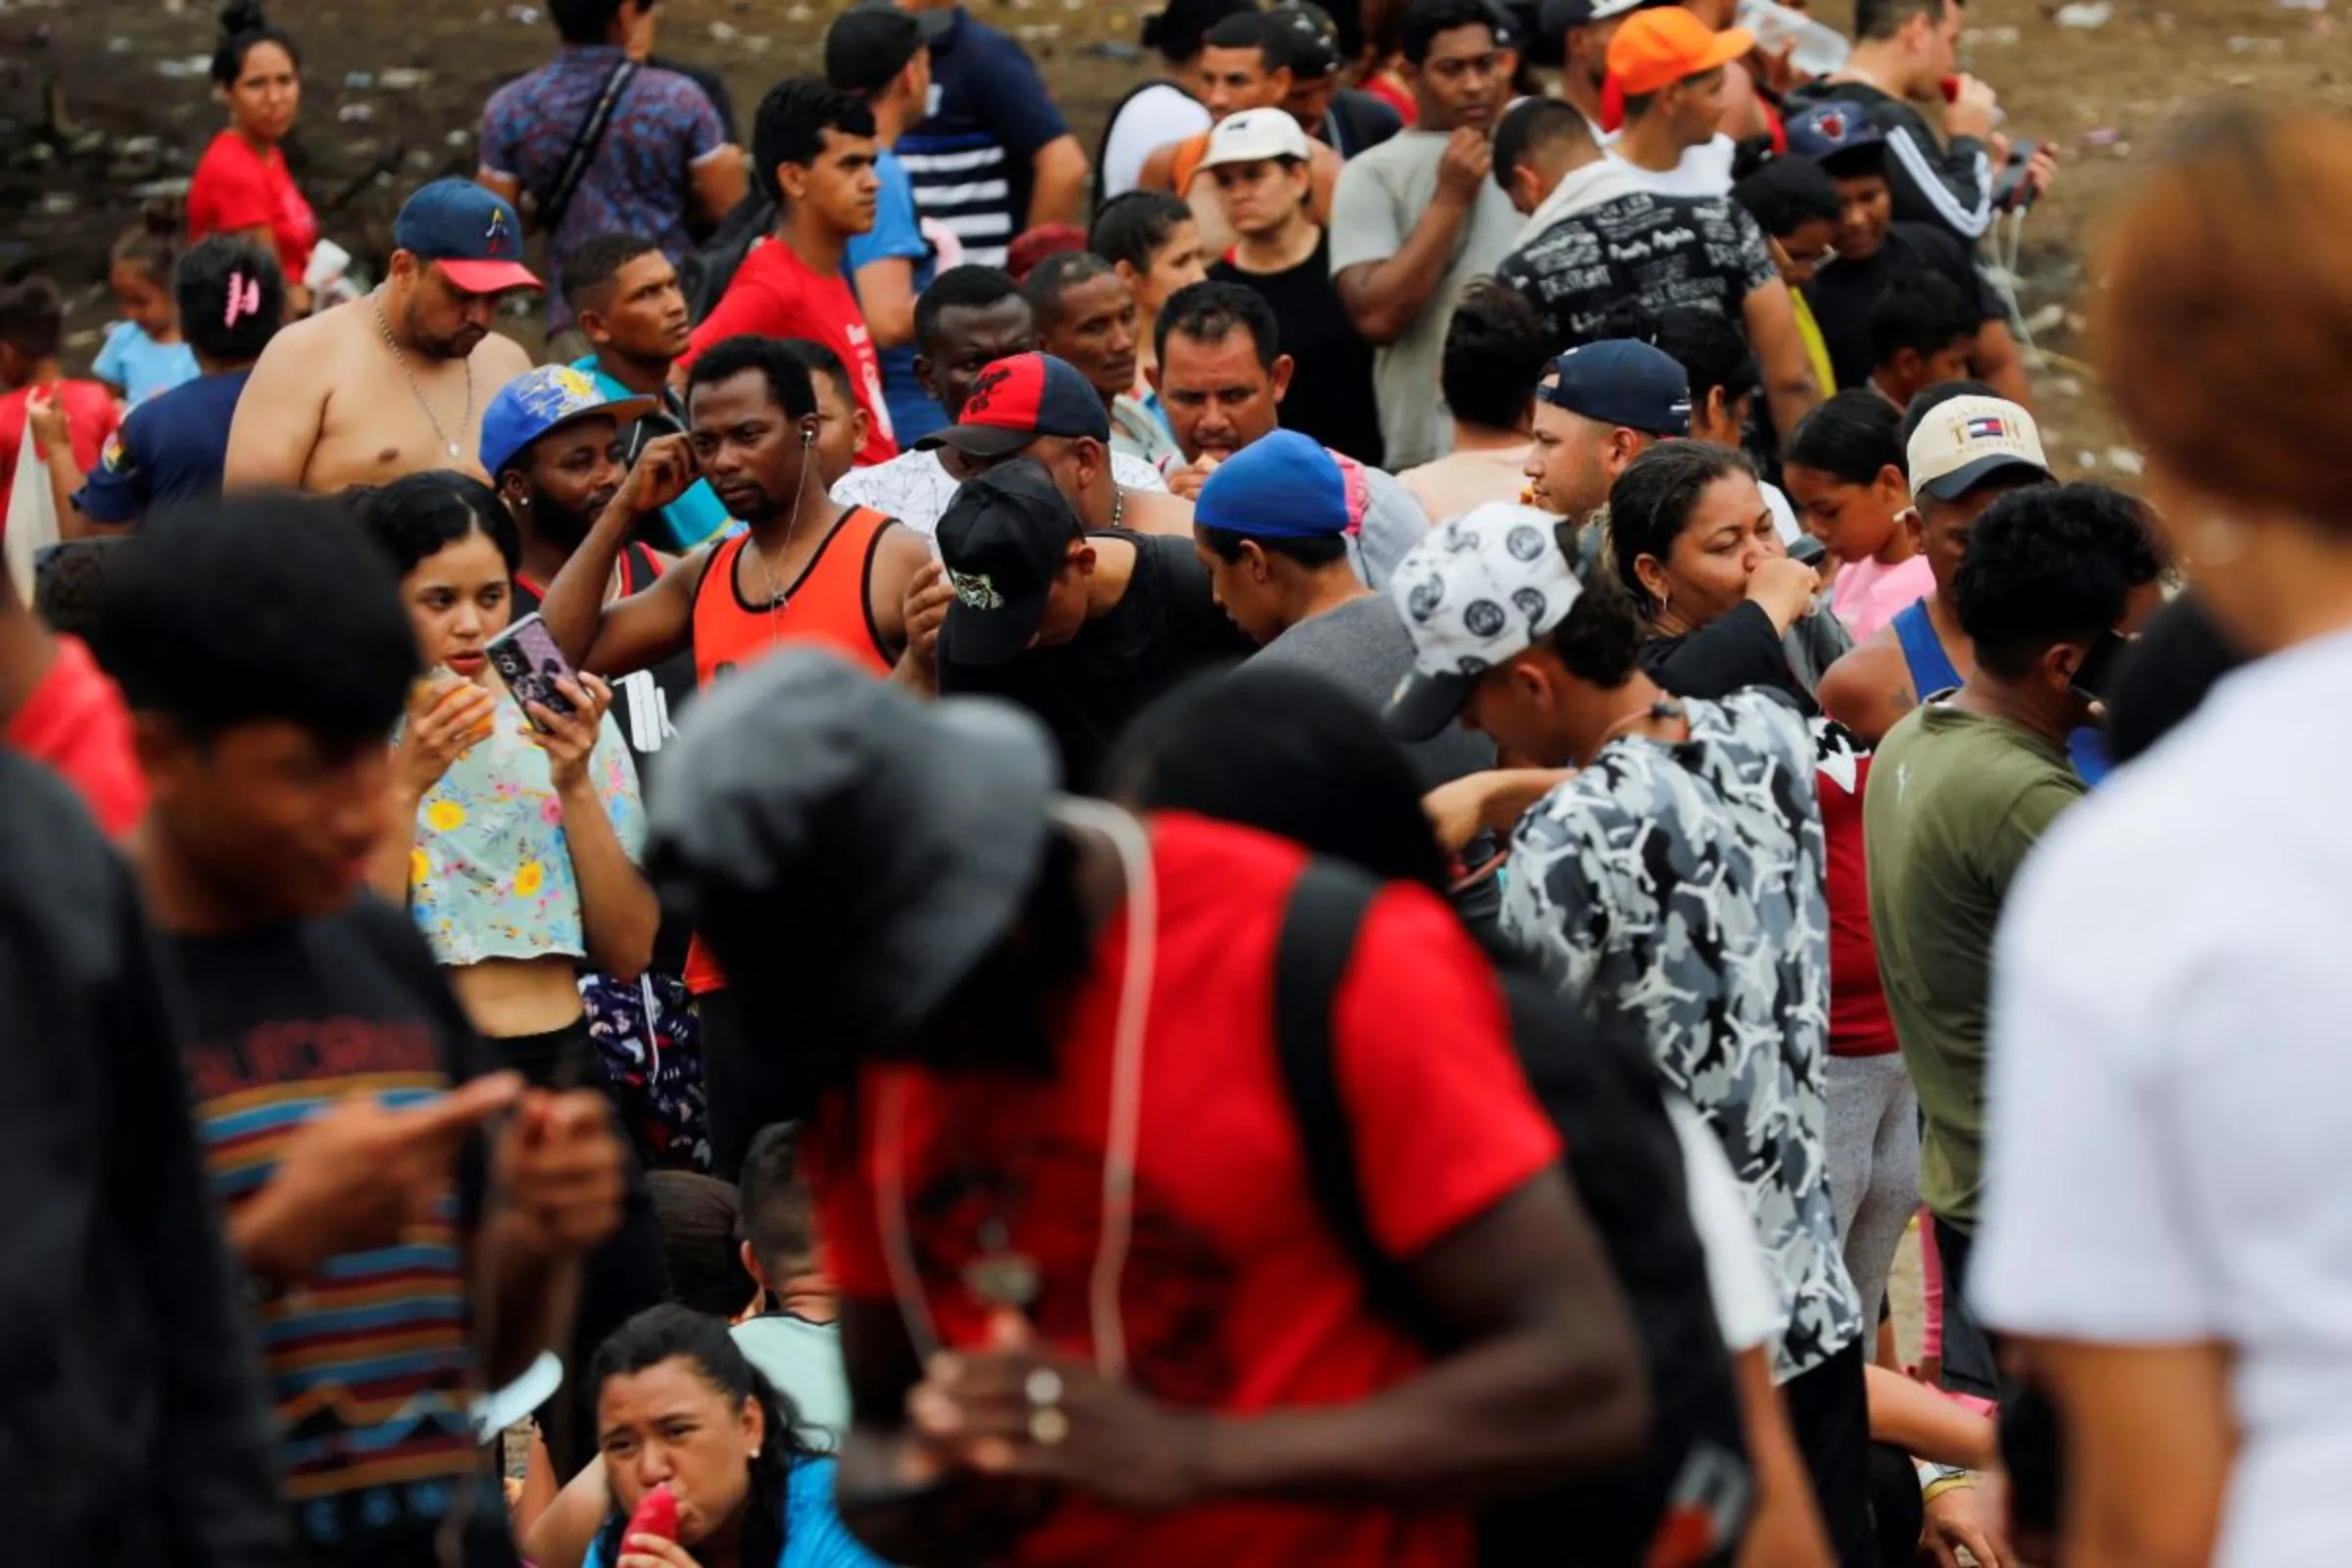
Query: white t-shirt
{"x": 1154, "y": 118}
{"x": 1747, "y": 1308}
{"x": 1705, "y": 170}
{"x": 803, "y": 1361}
{"x": 915, "y": 487}
{"x": 2171, "y": 1089}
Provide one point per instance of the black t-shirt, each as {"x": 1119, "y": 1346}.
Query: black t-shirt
{"x": 139, "y": 1432}
{"x": 374, "y": 1405}
{"x": 1842, "y": 293}
{"x": 1701, "y": 252}
{"x": 1165, "y": 626}
{"x": 1358, "y": 122}
{"x": 1331, "y": 396}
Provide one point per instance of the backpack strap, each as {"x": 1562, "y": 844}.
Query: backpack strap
{"x": 1319, "y": 929}
{"x": 584, "y": 144}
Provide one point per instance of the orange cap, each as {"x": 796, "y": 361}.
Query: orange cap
{"x": 1656, "y": 48}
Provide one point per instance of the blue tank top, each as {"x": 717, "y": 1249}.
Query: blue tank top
{"x": 1932, "y": 671}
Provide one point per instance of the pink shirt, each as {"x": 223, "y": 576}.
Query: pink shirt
{"x": 1867, "y": 596}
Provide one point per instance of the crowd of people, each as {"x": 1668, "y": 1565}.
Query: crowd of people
{"x": 1300, "y": 841}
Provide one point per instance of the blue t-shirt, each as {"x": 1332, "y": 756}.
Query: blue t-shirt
{"x": 969, "y": 161}
{"x": 814, "y": 1534}
{"x": 140, "y": 366}
{"x": 695, "y": 517}
{"x": 897, "y": 234}
{"x": 168, "y": 450}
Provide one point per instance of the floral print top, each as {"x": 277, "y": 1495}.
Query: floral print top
{"x": 490, "y": 876}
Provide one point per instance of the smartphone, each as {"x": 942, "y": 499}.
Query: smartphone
{"x": 2010, "y": 192}
{"x": 2095, "y": 675}
{"x": 527, "y": 657}
{"x": 1809, "y": 550}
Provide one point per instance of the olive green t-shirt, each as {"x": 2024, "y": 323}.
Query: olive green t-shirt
{"x": 1954, "y": 802}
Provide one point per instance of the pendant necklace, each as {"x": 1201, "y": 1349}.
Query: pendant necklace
{"x": 383, "y": 325}
{"x": 777, "y": 598}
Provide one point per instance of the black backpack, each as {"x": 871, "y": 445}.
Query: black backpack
{"x": 1686, "y": 1501}
{"x": 704, "y": 276}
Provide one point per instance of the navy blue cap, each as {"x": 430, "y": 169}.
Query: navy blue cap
{"x": 474, "y": 236}
{"x": 1285, "y": 486}
{"x": 1825, "y": 130}
{"x": 1623, "y": 382}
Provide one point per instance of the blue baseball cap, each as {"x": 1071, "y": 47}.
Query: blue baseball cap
{"x": 1285, "y": 486}
{"x": 476, "y": 236}
{"x": 1825, "y": 130}
{"x": 531, "y": 405}
{"x": 1623, "y": 382}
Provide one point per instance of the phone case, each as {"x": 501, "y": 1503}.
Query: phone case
{"x": 527, "y": 657}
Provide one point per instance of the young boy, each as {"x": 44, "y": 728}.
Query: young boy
{"x": 348, "y": 1128}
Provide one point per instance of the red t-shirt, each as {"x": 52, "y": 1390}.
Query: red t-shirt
{"x": 775, "y": 294}
{"x": 1859, "y": 1023}
{"x": 236, "y": 188}
{"x": 1235, "y": 1296}
{"x": 76, "y": 723}
{"x": 91, "y": 413}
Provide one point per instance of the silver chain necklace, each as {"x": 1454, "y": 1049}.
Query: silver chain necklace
{"x": 1119, "y": 506}
{"x": 383, "y": 325}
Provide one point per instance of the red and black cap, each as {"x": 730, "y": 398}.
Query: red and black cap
{"x": 1018, "y": 399}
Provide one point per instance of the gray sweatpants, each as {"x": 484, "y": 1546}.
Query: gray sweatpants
{"x": 1874, "y": 1166}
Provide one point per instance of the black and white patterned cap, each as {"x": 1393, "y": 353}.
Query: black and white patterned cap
{"x": 1479, "y": 590}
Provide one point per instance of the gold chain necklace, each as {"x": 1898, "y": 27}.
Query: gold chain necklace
{"x": 383, "y": 325}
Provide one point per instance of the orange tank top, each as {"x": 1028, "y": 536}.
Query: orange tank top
{"x": 828, "y": 603}
{"x": 1186, "y": 161}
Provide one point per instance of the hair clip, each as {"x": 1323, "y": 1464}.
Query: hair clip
{"x": 244, "y": 298}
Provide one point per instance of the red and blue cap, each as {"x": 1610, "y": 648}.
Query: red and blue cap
{"x": 474, "y": 236}
{"x": 1828, "y": 130}
{"x": 1283, "y": 486}
{"x": 1018, "y": 399}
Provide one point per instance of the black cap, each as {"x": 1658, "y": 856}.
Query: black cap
{"x": 1003, "y": 539}
{"x": 1179, "y": 30}
{"x": 849, "y": 850}
{"x": 1310, "y": 39}
{"x": 869, "y": 45}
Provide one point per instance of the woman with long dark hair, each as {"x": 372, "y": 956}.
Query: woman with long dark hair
{"x": 679, "y": 1408}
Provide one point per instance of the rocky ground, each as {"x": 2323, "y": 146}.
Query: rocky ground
{"x": 103, "y": 100}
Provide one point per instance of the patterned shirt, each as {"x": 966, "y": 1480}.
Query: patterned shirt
{"x": 491, "y": 874}
{"x": 915, "y": 487}
{"x": 1680, "y": 890}
{"x": 1663, "y": 251}
{"x": 641, "y": 180}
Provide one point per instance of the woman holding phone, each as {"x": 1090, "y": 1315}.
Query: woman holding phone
{"x": 515, "y": 844}
{"x": 526, "y": 821}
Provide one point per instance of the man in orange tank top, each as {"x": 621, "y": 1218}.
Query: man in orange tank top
{"x": 805, "y": 570}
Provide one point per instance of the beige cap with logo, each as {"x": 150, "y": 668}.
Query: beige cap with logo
{"x": 1964, "y": 442}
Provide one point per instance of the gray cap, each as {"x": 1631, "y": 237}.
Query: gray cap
{"x": 847, "y": 851}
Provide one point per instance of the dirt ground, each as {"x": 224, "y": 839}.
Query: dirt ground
{"x": 101, "y": 100}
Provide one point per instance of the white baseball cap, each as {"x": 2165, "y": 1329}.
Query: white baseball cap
{"x": 1254, "y": 135}
{"x": 1481, "y": 589}
{"x": 1963, "y": 442}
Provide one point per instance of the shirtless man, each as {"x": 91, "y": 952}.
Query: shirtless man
{"x": 394, "y": 383}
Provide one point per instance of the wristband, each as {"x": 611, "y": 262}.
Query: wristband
{"x": 1934, "y": 1480}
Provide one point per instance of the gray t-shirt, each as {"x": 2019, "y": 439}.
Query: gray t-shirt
{"x": 1381, "y": 196}
{"x": 1363, "y": 647}
{"x": 1393, "y": 523}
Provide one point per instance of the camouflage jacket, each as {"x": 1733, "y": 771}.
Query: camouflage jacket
{"x": 1678, "y": 890}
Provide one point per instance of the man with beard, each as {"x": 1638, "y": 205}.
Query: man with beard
{"x": 626, "y": 300}
{"x": 808, "y": 570}
{"x": 556, "y": 445}
{"x": 392, "y": 383}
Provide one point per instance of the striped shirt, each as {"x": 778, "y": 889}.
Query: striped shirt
{"x": 969, "y": 159}
{"x": 369, "y": 1361}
